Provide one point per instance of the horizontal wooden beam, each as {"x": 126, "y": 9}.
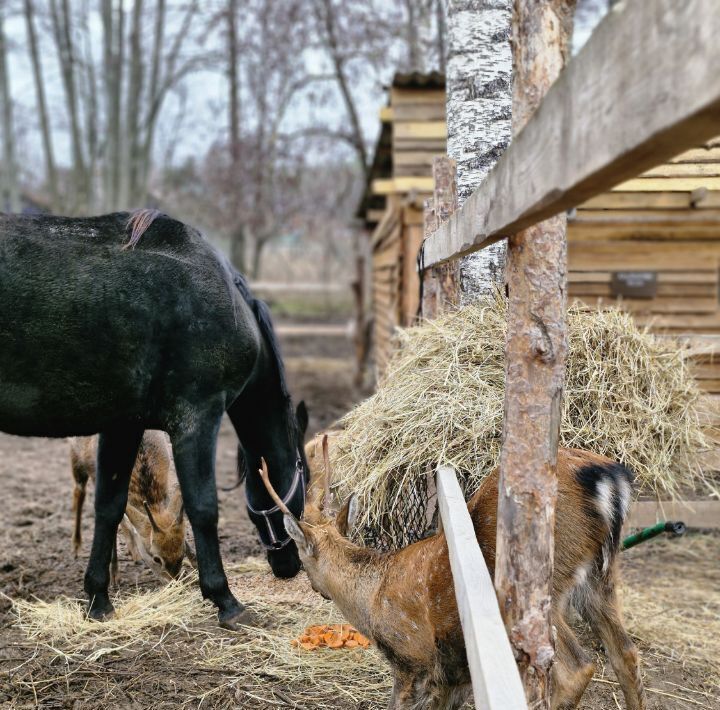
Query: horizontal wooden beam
{"x": 644, "y": 88}
{"x": 297, "y": 287}
{"x": 495, "y": 678}
{"x": 419, "y": 129}
{"x": 391, "y": 186}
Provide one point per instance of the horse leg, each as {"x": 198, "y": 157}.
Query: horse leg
{"x": 194, "y": 454}
{"x": 117, "y": 450}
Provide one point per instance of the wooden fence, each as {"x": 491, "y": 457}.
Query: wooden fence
{"x": 643, "y": 89}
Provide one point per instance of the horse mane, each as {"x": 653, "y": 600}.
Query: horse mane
{"x": 264, "y": 320}
{"x": 138, "y": 223}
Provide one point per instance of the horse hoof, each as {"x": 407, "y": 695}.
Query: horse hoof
{"x": 101, "y": 613}
{"x": 237, "y": 618}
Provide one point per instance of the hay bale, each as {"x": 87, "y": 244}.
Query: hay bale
{"x": 629, "y": 396}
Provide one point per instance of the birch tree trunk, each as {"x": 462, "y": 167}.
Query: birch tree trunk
{"x": 534, "y": 376}
{"x": 479, "y": 110}
{"x": 10, "y": 196}
{"x": 48, "y": 150}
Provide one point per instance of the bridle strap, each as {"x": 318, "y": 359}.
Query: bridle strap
{"x": 278, "y": 542}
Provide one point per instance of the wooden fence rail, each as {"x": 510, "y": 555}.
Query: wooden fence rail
{"x": 644, "y": 88}
{"x": 495, "y": 678}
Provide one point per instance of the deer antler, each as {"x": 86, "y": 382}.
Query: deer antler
{"x": 326, "y": 461}
{"x": 150, "y": 515}
{"x": 269, "y": 487}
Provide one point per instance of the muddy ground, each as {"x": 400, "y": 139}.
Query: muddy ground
{"x": 36, "y": 562}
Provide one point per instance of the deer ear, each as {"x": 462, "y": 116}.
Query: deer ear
{"x": 178, "y": 506}
{"x": 347, "y": 517}
{"x": 294, "y": 529}
{"x": 134, "y": 516}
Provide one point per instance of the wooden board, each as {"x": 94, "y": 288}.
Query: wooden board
{"x": 399, "y": 95}
{"x": 389, "y": 186}
{"x": 679, "y": 184}
{"x": 649, "y": 200}
{"x": 419, "y": 129}
{"x": 495, "y": 678}
{"x": 607, "y": 118}
{"x": 652, "y": 255}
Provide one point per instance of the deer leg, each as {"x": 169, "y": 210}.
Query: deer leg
{"x": 117, "y": 450}
{"x": 194, "y": 454}
{"x": 573, "y": 669}
{"x": 403, "y": 691}
{"x": 80, "y": 474}
{"x": 603, "y": 613}
{"x": 114, "y": 566}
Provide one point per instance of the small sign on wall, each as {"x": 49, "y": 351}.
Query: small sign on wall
{"x": 634, "y": 284}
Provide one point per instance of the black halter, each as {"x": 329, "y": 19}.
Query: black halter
{"x": 269, "y": 521}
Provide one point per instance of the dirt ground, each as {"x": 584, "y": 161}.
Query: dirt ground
{"x": 36, "y": 562}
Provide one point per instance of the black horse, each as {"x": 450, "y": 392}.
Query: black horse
{"x": 126, "y": 322}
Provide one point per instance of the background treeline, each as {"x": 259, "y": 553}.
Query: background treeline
{"x": 99, "y": 102}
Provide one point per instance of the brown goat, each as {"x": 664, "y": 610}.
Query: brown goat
{"x": 154, "y": 523}
{"x": 405, "y": 600}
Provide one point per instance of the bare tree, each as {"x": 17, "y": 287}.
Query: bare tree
{"x": 9, "y": 184}
{"x": 48, "y": 150}
{"x": 61, "y": 23}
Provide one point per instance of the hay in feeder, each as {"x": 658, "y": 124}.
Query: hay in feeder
{"x": 629, "y": 396}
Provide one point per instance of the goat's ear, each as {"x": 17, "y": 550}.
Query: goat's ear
{"x": 294, "y": 529}
{"x": 347, "y": 517}
{"x": 302, "y": 416}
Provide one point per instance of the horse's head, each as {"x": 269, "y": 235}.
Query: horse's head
{"x": 291, "y": 478}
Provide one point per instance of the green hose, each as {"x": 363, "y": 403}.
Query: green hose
{"x": 649, "y": 533}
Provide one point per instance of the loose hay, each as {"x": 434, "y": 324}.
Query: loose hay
{"x": 628, "y": 395}
{"x": 675, "y": 616}
{"x": 139, "y": 616}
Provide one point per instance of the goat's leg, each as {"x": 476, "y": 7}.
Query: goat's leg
{"x": 194, "y": 453}
{"x": 603, "y": 613}
{"x": 117, "y": 450}
{"x": 573, "y": 669}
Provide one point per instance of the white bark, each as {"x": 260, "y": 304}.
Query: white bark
{"x": 479, "y": 111}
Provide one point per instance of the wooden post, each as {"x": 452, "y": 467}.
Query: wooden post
{"x": 441, "y": 284}
{"x": 535, "y": 361}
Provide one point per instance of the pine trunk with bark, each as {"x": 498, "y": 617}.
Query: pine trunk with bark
{"x": 479, "y": 111}
{"x": 534, "y": 374}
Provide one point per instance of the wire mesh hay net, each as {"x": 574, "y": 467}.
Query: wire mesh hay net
{"x": 629, "y": 396}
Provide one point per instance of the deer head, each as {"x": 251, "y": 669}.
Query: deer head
{"x": 158, "y": 534}
{"x": 321, "y": 535}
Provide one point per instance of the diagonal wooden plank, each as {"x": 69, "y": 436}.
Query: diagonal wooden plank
{"x": 644, "y": 88}
{"x": 495, "y": 678}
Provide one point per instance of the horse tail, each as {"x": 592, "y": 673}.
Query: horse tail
{"x": 138, "y": 223}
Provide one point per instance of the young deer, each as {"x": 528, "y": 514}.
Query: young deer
{"x": 154, "y": 524}
{"x": 405, "y": 600}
